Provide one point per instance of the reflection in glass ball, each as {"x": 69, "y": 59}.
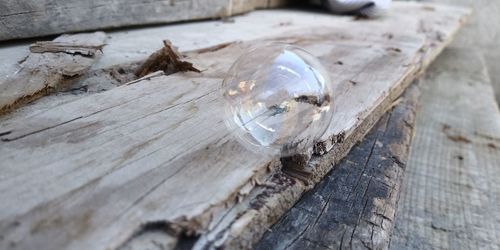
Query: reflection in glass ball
{"x": 278, "y": 99}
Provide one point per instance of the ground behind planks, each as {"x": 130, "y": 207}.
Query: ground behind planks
{"x": 450, "y": 199}
{"x": 483, "y": 33}
{"x": 451, "y": 194}
{"x": 116, "y": 169}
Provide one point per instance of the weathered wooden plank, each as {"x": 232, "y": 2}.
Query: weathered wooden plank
{"x": 49, "y": 65}
{"x": 122, "y": 45}
{"x": 120, "y": 163}
{"x": 354, "y": 206}
{"x": 32, "y": 18}
{"x": 450, "y": 195}
{"x": 244, "y": 222}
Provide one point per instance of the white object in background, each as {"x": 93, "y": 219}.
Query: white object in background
{"x": 370, "y": 8}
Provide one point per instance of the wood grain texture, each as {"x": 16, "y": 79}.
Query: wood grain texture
{"x": 451, "y": 193}
{"x": 33, "y": 18}
{"x": 114, "y": 168}
{"x": 354, "y": 206}
{"x": 48, "y": 66}
{"x": 133, "y": 45}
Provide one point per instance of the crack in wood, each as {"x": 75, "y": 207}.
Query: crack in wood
{"x": 34, "y": 132}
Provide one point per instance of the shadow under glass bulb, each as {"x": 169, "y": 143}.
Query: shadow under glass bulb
{"x": 278, "y": 99}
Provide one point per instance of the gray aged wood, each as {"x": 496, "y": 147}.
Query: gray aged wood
{"x": 354, "y": 205}
{"x": 483, "y": 33}
{"x": 450, "y": 198}
{"x": 48, "y": 66}
{"x": 32, "y": 18}
{"x": 116, "y": 169}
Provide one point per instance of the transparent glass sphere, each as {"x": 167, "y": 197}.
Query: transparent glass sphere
{"x": 278, "y": 99}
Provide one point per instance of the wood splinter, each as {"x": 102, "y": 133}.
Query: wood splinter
{"x": 167, "y": 59}
{"x": 65, "y": 47}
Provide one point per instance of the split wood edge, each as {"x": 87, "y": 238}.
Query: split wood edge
{"x": 50, "y": 65}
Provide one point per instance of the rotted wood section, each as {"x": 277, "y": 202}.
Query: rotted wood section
{"x": 151, "y": 162}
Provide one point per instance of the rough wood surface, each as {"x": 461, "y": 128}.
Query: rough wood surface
{"x": 49, "y": 65}
{"x": 33, "y": 18}
{"x": 122, "y": 47}
{"x": 114, "y": 168}
{"x": 354, "y": 206}
{"x": 450, "y": 198}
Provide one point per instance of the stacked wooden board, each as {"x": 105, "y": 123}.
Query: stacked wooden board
{"x": 32, "y": 18}
{"x": 152, "y": 160}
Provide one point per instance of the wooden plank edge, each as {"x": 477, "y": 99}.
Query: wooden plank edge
{"x": 428, "y": 53}
{"x": 372, "y": 194}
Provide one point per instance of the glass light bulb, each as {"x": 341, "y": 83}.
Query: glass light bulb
{"x": 278, "y": 99}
